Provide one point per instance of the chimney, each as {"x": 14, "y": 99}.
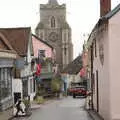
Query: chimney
{"x": 105, "y": 7}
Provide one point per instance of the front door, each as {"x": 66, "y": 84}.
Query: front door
{"x": 97, "y": 90}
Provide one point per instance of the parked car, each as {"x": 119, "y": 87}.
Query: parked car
{"x": 79, "y": 91}
{"x": 70, "y": 91}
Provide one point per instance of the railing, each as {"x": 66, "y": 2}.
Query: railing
{"x": 46, "y": 72}
{"x": 46, "y": 69}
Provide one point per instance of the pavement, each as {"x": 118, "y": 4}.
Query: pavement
{"x": 35, "y": 106}
{"x": 94, "y": 115}
{"x": 6, "y": 114}
{"x": 71, "y": 104}
{"x": 63, "y": 109}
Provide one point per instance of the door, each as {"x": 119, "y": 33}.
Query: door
{"x": 97, "y": 90}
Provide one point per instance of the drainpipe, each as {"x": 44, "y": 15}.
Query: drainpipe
{"x": 92, "y": 77}
{"x": 0, "y": 97}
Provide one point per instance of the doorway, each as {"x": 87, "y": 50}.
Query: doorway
{"x": 97, "y": 90}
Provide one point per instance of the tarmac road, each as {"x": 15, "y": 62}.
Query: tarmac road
{"x": 65, "y": 109}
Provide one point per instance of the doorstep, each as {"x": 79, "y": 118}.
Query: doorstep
{"x": 94, "y": 115}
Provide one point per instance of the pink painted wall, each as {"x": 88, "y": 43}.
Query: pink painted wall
{"x": 38, "y": 45}
{"x": 114, "y": 50}
{"x": 109, "y": 72}
{"x": 103, "y": 78}
{"x": 85, "y": 61}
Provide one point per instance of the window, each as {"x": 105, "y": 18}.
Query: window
{"x": 25, "y": 87}
{"x": 92, "y": 51}
{"x": 41, "y": 35}
{"x": 65, "y": 37}
{"x": 34, "y": 85}
{"x": 95, "y": 48}
{"x": 41, "y": 53}
{"x": 5, "y": 82}
{"x": 52, "y": 22}
{"x": 65, "y": 51}
{"x": 93, "y": 83}
{"x": 31, "y": 86}
{"x": 6, "y": 77}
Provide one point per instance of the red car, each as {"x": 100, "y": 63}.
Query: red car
{"x": 79, "y": 91}
{"x": 70, "y": 91}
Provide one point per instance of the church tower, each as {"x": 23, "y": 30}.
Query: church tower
{"x": 54, "y": 29}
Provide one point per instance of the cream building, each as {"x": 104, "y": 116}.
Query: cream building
{"x": 104, "y": 43}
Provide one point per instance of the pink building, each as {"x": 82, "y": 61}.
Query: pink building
{"x": 39, "y": 44}
{"x": 48, "y": 66}
{"x": 104, "y": 43}
{"x": 85, "y": 59}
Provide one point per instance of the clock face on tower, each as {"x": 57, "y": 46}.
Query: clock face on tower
{"x": 53, "y": 36}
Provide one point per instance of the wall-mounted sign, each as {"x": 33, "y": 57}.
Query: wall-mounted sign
{"x": 19, "y": 63}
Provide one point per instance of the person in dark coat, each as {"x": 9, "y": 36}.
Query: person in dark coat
{"x": 19, "y": 108}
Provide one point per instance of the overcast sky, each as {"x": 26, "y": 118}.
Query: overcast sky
{"x": 82, "y": 15}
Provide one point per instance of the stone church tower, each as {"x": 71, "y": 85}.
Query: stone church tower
{"x": 54, "y": 29}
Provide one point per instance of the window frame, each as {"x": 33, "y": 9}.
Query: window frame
{"x": 53, "y": 22}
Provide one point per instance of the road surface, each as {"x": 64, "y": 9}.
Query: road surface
{"x": 65, "y": 109}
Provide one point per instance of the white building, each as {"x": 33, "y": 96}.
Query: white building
{"x": 7, "y": 57}
{"x": 104, "y": 42}
{"x": 71, "y": 74}
{"x": 24, "y": 84}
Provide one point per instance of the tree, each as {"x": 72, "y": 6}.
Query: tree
{"x": 56, "y": 86}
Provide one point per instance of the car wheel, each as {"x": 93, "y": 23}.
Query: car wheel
{"x": 74, "y": 96}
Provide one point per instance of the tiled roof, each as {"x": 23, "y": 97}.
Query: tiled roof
{"x": 102, "y": 19}
{"x": 53, "y": 2}
{"x": 74, "y": 67}
{"x": 18, "y": 38}
{"x": 113, "y": 12}
{"x": 4, "y": 43}
{"x": 42, "y": 41}
{"x": 5, "y": 46}
{"x": 40, "y": 26}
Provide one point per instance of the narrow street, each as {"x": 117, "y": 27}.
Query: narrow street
{"x": 65, "y": 109}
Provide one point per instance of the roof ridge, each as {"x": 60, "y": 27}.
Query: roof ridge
{"x": 42, "y": 40}
{"x": 16, "y": 28}
{"x": 6, "y": 42}
{"x": 69, "y": 68}
{"x": 112, "y": 12}
{"x": 18, "y": 38}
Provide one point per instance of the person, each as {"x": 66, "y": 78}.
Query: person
{"x": 19, "y": 108}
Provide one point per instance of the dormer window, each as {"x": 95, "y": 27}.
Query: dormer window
{"x": 53, "y": 22}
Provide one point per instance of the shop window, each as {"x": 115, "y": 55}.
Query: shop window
{"x": 5, "y": 82}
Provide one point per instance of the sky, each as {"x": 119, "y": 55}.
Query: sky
{"x": 82, "y": 15}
